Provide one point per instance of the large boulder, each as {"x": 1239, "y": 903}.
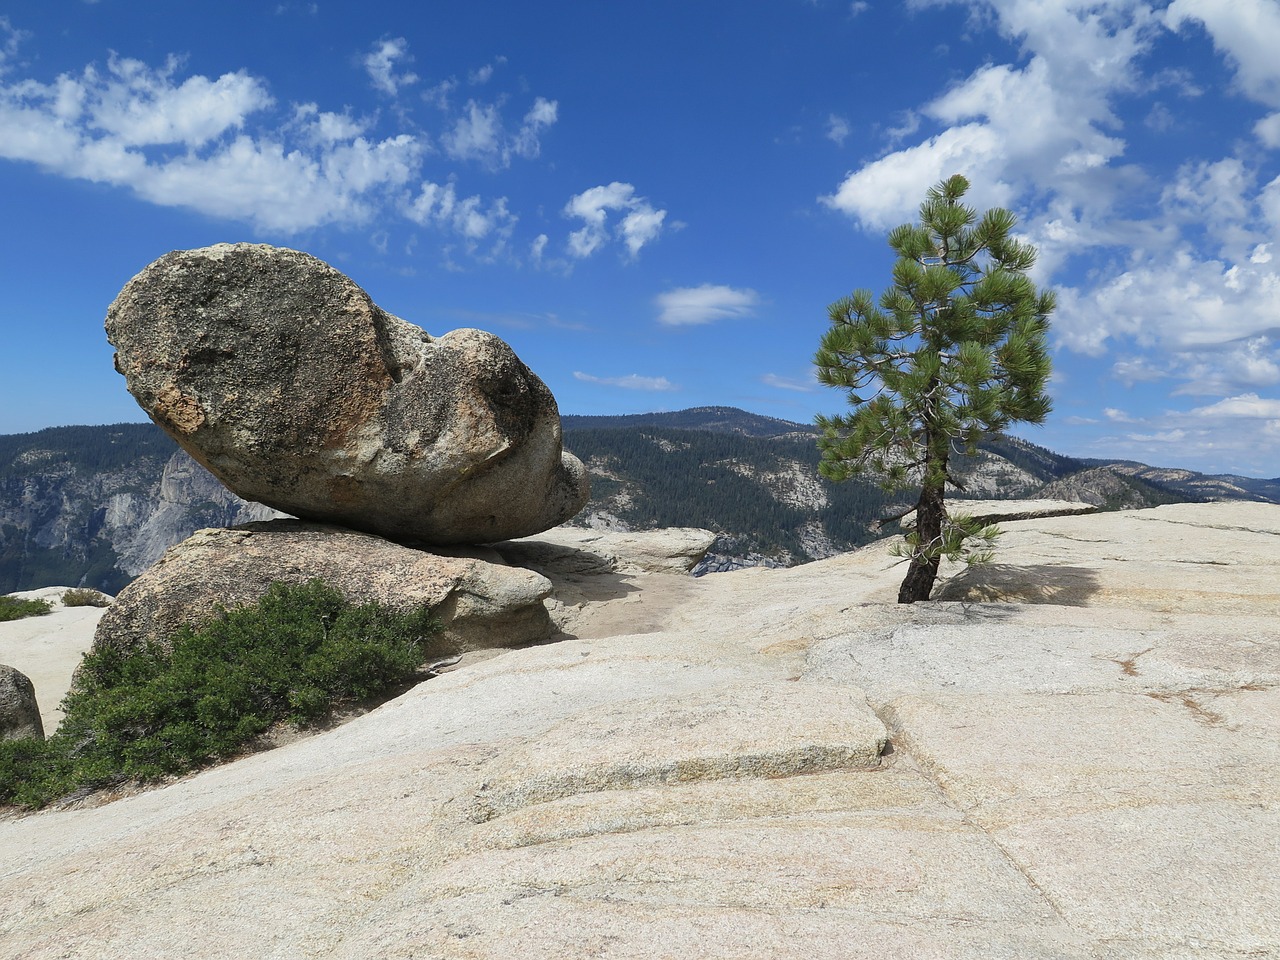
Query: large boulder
{"x": 283, "y": 378}
{"x": 481, "y": 603}
{"x": 19, "y": 713}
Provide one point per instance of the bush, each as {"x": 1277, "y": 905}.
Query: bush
{"x": 137, "y": 716}
{"x": 80, "y": 597}
{"x": 15, "y": 608}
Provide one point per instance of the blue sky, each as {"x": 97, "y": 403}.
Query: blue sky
{"x": 654, "y": 202}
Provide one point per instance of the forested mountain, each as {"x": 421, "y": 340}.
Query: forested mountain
{"x": 712, "y": 419}
{"x": 94, "y": 506}
{"x": 1202, "y": 486}
{"x": 754, "y": 481}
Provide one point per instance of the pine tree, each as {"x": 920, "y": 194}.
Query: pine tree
{"x": 954, "y": 352}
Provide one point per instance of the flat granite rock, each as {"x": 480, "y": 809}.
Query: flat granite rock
{"x": 1088, "y": 781}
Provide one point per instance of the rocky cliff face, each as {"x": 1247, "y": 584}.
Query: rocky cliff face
{"x": 187, "y": 499}
{"x": 95, "y": 506}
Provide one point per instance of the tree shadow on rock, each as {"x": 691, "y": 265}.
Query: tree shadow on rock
{"x": 1012, "y": 583}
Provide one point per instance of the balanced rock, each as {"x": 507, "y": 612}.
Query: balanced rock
{"x": 19, "y": 713}
{"x": 480, "y": 604}
{"x": 283, "y": 378}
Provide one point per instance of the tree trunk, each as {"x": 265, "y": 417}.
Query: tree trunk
{"x": 930, "y": 514}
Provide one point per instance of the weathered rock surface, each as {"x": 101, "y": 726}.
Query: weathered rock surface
{"x": 1000, "y": 511}
{"x": 1088, "y": 779}
{"x": 569, "y": 550}
{"x": 165, "y": 521}
{"x": 48, "y": 649}
{"x": 481, "y": 603}
{"x": 284, "y": 379}
{"x": 19, "y": 712}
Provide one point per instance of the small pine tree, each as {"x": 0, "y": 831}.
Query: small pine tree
{"x": 954, "y": 352}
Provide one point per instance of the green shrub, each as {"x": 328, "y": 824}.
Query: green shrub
{"x": 137, "y": 716}
{"x": 15, "y": 608}
{"x": 78, "y": 597}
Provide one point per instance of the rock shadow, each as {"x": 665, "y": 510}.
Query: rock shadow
{"x": 1013, "y": 583}
{"x": 578, "y": 575}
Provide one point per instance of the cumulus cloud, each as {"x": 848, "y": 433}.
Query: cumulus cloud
{"x": 475, "y": 135}
{"x": 690, "y": 306}
{"x": 225, "y": 148}
{"x": 480, "y": 133}
{"x": 484, "y": 228}
{"x": 184, "y": 143}
{"x": 1233, "y": 434}
{"x": 322, "y": 126}
{"x": 632, "y": 381}
{"x": 640, "y": 224}
{"x": 1247, "y": 32}
{"x": 382, "y": 64}
{"x": 1247, "y": 406}
{"x": 1181, "y": 281}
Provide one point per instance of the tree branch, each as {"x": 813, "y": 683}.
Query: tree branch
{"x": 879, "y": 524}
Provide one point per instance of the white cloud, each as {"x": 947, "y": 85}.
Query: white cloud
{"x": 118, "y": 127}
{"x": 1131, "y": 370}
{"x": 837, "y": 129}
{"x": 1247, "y": 406}
{"x": 1193, "y": 302}
{"x": 318, "y": 126}
{"x": 785, "y": 383}
{"x": 483, "y": 228}
{"x": 475, "y": 135}
{"x": 630, "y": 382}
{"x": 439, "y": 94}
{"x": 137, "y": 106}
{"x": 689, "y": 306}
{"x": 1043, "y": 129}
{"x": 1247, "y": 31}
{"x": 1175, "y": 302}
{"x": 112, "y": 127}
{"x": 858, "y": 6}
{"x": 1254, "y": 362}
{"x": 1229, "y": 435}
{"x": 641, "y": 224}
{"x": 223, "y": 147}
{"x": 381, "y": 64}
{"x": 888, "y": 191}
{"x": 10, "y": 40}
{"x": 1267, "y": 130}
{"x": 278, "y": 189}
{"x": 540, "y": 117}
{"x": 480, "y": 134}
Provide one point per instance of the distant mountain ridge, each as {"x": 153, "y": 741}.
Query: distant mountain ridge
{"x": 754, "y": 481}
{"x": 94, "y": 506}
{"x": 713, "y": 419}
